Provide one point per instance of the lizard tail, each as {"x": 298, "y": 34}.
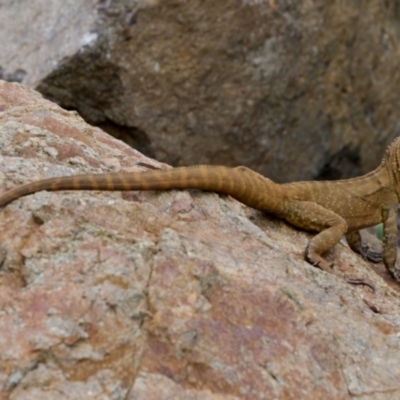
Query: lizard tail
{"x": 241, "y": 183}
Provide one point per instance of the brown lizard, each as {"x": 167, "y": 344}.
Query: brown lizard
{"x": 331, "y": 208}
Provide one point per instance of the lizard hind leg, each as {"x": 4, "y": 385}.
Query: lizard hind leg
{"x": 311, "y": 216}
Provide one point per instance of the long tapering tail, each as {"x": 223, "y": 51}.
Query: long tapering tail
{"x": 241, "y": 183}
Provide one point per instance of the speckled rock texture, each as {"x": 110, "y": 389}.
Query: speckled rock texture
{"x": 170, "y": 295}
{"x": 294, "y": 89}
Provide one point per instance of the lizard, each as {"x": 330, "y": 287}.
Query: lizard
{"x": 331, "y": 209}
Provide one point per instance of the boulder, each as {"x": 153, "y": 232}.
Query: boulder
{"x": 295, "y": 90}
{"x": 175, "y": 294}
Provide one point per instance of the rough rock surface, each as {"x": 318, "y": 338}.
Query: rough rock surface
{"x": 160, "y": 295}
{"x": 295, "y": 90}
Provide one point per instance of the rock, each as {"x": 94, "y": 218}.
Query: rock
{"x": 295, "y": 90}
{"x": 178, "y": 294}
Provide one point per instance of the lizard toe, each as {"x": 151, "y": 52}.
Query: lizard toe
{"x": 319, "y": 262}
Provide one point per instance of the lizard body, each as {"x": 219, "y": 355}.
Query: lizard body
{"x": 330, "y": 208}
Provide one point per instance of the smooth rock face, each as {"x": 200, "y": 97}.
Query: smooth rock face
{"x": 37, "y": 38}
{"x": 295, "y": 90}
{"x": 161, "y": 295}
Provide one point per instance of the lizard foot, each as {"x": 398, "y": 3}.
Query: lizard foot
{"x": 371, "y": 255}
{"x": 319, "y": 262}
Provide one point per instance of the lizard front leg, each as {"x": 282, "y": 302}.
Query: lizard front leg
{"x": 313, "y": 217}
{"x": 355, "y": 243}
{"x": 389, "y": 241}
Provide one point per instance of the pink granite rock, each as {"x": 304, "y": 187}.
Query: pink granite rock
{"x": 161, "y": 295}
